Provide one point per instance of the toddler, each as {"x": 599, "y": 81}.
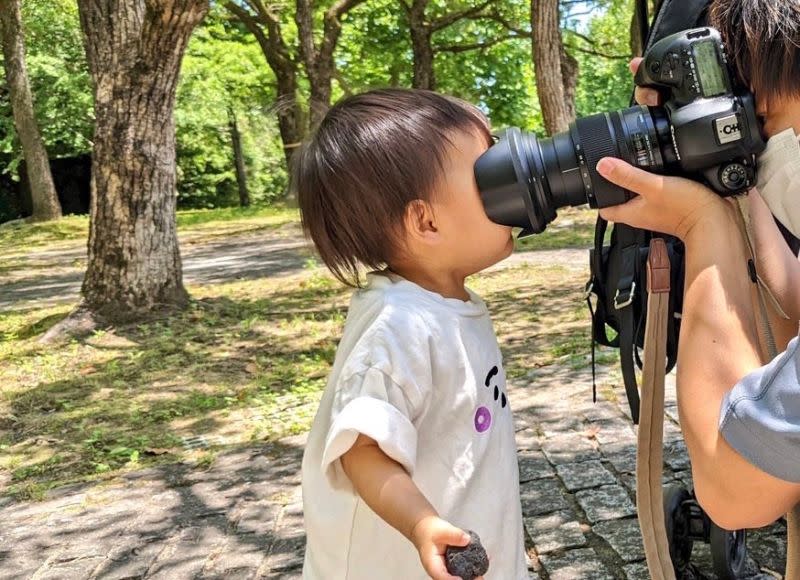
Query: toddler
{"x": 413, "y": 442}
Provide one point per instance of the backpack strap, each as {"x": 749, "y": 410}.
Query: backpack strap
{"x": 623, "y": 300}
{"x": 643, "y": 21}
{"x": 793, "y": 542}
{"x": 674, "y": 16}
{"x": 597, "y": 285}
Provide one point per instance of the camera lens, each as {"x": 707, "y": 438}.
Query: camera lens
{"x": 523, "y": 180}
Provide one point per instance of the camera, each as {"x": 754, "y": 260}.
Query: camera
{"x": 706, "y": 130}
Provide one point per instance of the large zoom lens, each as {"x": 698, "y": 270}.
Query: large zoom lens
{"x": 524, "y": 180}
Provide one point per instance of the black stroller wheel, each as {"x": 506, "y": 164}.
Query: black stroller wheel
{"x": 677, "y": 525}
{"x": 728, "y": 552}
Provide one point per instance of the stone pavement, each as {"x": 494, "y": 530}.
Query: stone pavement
{"x": 242, "y": 517}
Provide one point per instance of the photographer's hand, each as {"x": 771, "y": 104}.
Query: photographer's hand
{"x": 718, "y": 341}
{"x": 671, "y": 205}
{"x": 643, "y": 95}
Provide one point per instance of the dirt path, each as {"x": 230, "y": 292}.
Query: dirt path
{"x": 48, "y": 277}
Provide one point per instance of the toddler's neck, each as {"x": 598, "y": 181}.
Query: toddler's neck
{"x": 447, "y": 284}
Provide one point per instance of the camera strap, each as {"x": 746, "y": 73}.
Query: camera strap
{"x": 650, "y": 444}
{"x": 644, "y": 21}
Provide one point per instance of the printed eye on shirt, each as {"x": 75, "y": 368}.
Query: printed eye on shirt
{"x": 483, "y": 414}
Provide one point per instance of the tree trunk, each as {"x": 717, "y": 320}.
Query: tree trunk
{"x": 291, "y": 118}
{"x": 547, "y": 51}
{"x": 134, "y": 50}
{"x": 37, "y": 165}
{"x": 424, "y": 77}
{"x": 569, "y": 74}
{"x": 266, "y": 27}
{"x": 421, "y": 46}
{"x": 238, "y": 156}
{"x": 318, "y": 57}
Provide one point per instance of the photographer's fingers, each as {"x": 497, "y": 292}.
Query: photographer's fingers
{"x": 629, "y": 177}
{"x": 642, "y": 95}
{"x": 625, "y": 213}
{"x": 649, "y": 97}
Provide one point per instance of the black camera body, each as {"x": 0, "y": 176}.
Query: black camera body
{"x": 706, "y": 130}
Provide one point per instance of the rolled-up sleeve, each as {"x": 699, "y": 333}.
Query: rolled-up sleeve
{"x": 760, "y": 416}
{"x": 374, "y": 405}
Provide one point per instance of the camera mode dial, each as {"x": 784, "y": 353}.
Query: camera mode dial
{"x": 735, "y": 176}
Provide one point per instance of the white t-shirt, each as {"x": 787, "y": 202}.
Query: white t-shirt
{"x": 422, "y": 375}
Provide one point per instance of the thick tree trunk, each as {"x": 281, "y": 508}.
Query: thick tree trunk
{"x": 238, "y": 157}
{"x": 547, "y": 61}
{"x": 424, "y": 77}
{"x": 292, "y": 120}
{"x": 134, "y": 49}
{"x": 43, "y": 192}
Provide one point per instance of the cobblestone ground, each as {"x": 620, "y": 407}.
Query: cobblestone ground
{"x": 242, "y": 517}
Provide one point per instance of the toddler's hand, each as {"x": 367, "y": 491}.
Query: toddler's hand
{"x": 431, "y": 536}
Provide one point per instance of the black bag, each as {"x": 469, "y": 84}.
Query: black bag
{"x": 619, "y": 269}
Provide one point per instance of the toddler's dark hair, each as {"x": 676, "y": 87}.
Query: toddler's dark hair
{"x": 371, "y": 155}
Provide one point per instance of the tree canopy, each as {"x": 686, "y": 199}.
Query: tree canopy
{"x": 481, "y": 51}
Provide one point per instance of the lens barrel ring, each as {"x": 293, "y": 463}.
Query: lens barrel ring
{"x": 598, "y": 140}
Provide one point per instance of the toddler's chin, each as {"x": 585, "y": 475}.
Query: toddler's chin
{"x": 509, "y": 249}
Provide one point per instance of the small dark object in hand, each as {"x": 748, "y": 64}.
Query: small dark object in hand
{"x": 467, "y": 562}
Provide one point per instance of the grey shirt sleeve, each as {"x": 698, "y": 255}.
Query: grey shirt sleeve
{"x": 760, "y": 416}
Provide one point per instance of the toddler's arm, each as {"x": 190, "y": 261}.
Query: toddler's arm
{"x": 389, "y": 491}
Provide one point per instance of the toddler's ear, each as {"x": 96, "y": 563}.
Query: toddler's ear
{"x": 420, "y": 222}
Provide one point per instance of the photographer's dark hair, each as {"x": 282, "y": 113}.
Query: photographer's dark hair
{"x": 371, "y": 155}
{"x": 763, "y": 40}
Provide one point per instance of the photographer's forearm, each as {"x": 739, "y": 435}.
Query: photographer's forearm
{"x": 717, "y": 348}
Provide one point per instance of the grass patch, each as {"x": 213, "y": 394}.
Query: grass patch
{"x": 246, "y": 362}
{"x": 200, "y": 217}
{"x": 573, "y": 228}
{"x": 19, "y": 236}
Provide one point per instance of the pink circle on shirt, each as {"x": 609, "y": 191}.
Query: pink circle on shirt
{"x": 483, "y": 419}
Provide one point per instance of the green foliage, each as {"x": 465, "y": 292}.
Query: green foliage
{"x": 224, "y": 74}
{"x": 374, "y": 49}
{"x": 499, "y": 78}
{"x": 606, "y": 84}
{"x": 59, "y": 80}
